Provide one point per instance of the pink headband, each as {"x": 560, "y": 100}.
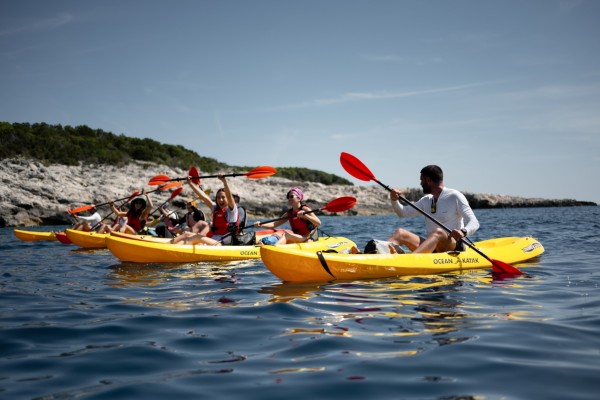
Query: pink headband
{"x": 297, "y": 192}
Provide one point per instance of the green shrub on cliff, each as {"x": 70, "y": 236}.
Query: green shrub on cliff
{"x": 69, "y": 145}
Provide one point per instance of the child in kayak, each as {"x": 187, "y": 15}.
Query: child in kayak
{"x": 225, "y": 218}
{"x": 304, "y": 223}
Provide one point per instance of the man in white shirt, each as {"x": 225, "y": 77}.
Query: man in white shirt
{"x": 448, "y": 206}
{"x": 89, "y": 222}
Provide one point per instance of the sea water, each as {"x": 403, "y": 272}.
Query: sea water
{"x": 80, "y": 324}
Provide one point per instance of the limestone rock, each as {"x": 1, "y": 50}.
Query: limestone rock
{"x": 36, "y": 194}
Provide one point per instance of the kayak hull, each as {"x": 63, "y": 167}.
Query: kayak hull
{"x": 259, "y": 234}
{"x": 141, "y": 251}
{"x": 33, "y": 236}
{"x": 292, "y": 265}
{"x": 87, "y": 240}
{"x": 63, "y": 238}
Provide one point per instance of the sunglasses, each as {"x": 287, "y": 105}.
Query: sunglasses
{"x": 433, "y": 206}
{"x": 291, "y": 196}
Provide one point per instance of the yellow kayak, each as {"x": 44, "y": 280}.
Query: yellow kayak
{"x": 32, "y": 236}
{"x": 294, "y": 265}
{"x": 87, "y": 240}
{"x": 150, "y": 238}
{"x": 145, "y": 251}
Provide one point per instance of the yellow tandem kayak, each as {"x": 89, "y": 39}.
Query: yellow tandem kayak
{"x": 95, "y": 240}
{"x": 145, "y": 251}
{"x": 294, "y": 265}
{"x": 32, "y": 236}
{"x": 149, "y": 238}
{"x": 87, "y": 240}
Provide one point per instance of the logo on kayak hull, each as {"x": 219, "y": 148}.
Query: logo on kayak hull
{"x": 531, "y": 247}
{"x": 338, "y": 244}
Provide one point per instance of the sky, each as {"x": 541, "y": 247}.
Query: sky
{"x": 503, "y": 95}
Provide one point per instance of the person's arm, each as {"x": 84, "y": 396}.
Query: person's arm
{"x": 395, "y": 200}
{"x": 402, "y": 210}
{"x": 203, "y": 196}
{"x": 309, "y": 216}
{"x": 469, "y": 218}
{"x": 230, "y": 199}
{"x": 149, "y": 207}
{"x": 117, "y": 212}
{"x": 271, "y": 225}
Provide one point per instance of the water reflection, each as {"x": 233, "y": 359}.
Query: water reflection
{"x": 414, "y": 312}
{"x": 285, "y": 291}
{"x": 180, "y": 286}
{"x": 151, "y": 274}
{"x": 133, "y": 274}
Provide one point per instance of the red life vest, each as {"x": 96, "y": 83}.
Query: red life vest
{"x": 135, "y": 221}
{"x": 299, "y": 226}
{"x": 220, "y": 225}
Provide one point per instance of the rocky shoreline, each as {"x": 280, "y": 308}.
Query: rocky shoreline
{"x": 36, "y": 194}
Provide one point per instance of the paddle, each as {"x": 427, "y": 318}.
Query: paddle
{"x": 90, "y": 206}
{"x": 337, "y": 205}
{"x": 175, "y": 193}
{"x": 256, "y": 173}
{"x": 357, "y": 169}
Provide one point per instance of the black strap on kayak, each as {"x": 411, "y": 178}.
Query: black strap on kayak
{"x": 324, "y": 263}
{"x": 321, "y": 232}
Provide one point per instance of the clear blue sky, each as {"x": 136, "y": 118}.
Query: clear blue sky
{"x": 503, "y": 95}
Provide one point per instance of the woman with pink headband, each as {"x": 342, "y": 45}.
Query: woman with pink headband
{"x": 304, "y": 223}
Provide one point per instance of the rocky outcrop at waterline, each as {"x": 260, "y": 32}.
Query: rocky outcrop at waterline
{"x": 35, "y": 194}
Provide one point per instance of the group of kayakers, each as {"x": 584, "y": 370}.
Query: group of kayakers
{"x": 446, "y": 207}
{"x": 228, "y": 219}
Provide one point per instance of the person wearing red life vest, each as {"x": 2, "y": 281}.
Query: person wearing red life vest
{"x": 225, "y": 218}
{"x": 134, "y": 220}
{"x": 304, "y": 223}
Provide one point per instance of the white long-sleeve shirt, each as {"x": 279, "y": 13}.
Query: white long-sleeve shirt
{"x": 93, "y": 219}
{"x": 452, "y": 210}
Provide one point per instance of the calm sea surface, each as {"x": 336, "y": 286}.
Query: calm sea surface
{"x": 80, "y": 324}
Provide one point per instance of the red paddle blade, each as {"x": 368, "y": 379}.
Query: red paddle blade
{"x": 133, "y": 195}
{"x": 499, "y": 267}
{"x": 176, "y": 193}
{"x": 170, "y": 186}
{"x": 159, "y": 180}
{"x": 80, "y": 209}
{"x": 261, "y": 172}
{"x": 355, "y": 167}
{"x": 340, "y": 204}
{"x": 195, "y": 175}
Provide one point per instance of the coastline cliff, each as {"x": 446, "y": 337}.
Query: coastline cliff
{"x": 36, "y": 194}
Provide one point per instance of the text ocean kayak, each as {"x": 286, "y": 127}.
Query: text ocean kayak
{"x": 295, "y": 265}
{"x": 144, "y": 251}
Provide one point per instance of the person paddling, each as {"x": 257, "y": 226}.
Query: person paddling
{"x": 449, "y": 206}
{"x": 86, "y": 223}
{"x": 304, "y": 224}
